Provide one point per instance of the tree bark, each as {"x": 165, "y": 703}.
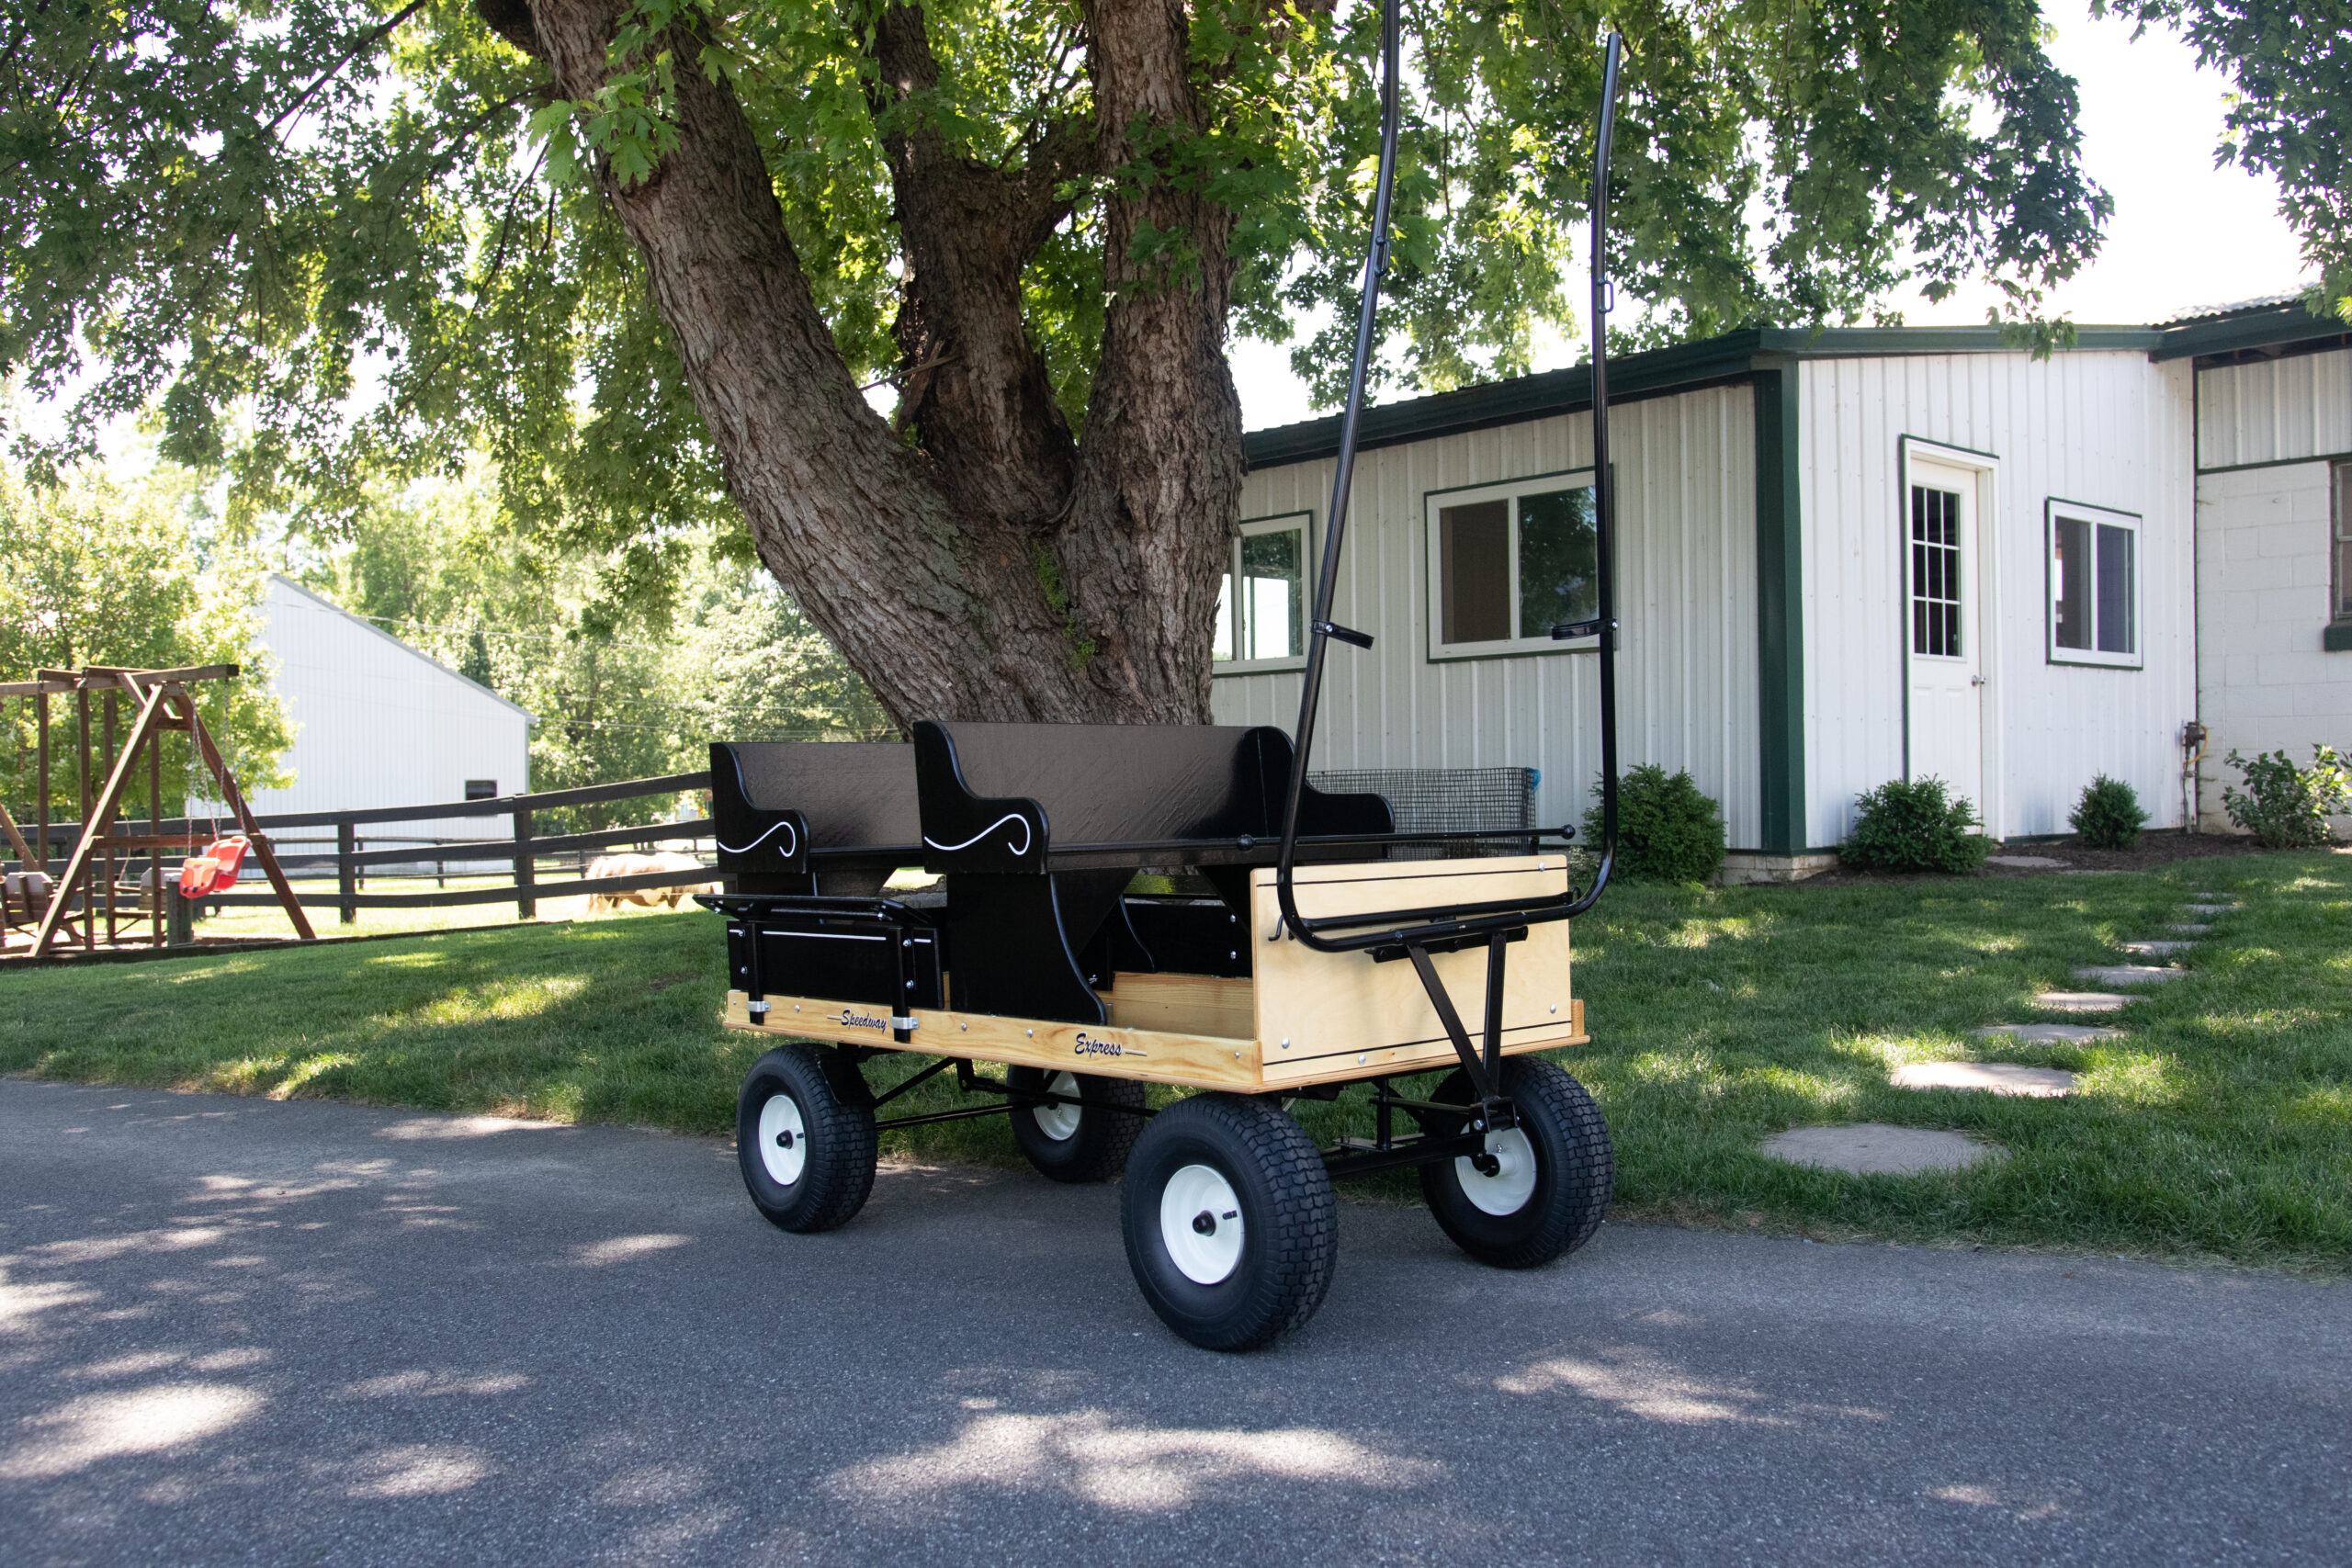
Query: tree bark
{"x": 988, "y": 568}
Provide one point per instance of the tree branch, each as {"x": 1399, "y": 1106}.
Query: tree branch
{"x": 324, "y": 78}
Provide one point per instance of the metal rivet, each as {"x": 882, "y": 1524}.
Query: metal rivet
{"x": 1555, "y": 1007}
{"x": 1285, "y": 1045}
{"x": 1032, "y": 1035}
{"x": 1358, "y": 1059}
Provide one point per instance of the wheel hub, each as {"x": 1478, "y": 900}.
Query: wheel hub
{"x": 1059, "y": 1121}
{"x": 784, "y": 1140}
{"x": 1501, "y": 1179}
{"x": 1200, "y": 1221}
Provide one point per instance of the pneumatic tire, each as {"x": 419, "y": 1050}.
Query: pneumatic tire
{"x": 804, "y": 1137}
{"x": 1231, "y": 1224}
{"x": 1076, "y": 1142}
{"x": 1554, "y": 1172}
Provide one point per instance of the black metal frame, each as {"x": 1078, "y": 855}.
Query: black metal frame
{"x": 1410, "y": 932}
{"x": 1348, "y": 1157}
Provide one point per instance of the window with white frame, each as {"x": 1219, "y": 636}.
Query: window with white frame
{"x": 1262, "y": 602}
{"x": 1507, "y": 562}
{"x": 2094, "y": 585}
{"x": 2341, "y": 553}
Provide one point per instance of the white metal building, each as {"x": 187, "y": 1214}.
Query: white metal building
{"x": 377, "y": 723}
{"x": 1844, "y": 556}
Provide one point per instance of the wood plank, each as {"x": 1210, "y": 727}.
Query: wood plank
{"x": 1151, "y": 1056}
{"x": 1189, "y": 1004}
{"x": 1318, "y": 1012}
{"x": 1282, "y": 1073}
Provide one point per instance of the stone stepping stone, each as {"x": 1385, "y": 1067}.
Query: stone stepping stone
{"x": 2192, "y": 930}
{"x": 1873, "y": 1149}
{"x": 1994, "y": 1077}
{"x": 2024, "y": 862}
{"x": 2051, "y": 1034}
{"x": 2081, "y": 1001}
{"x": 2127, "y": 974}
{"x": 2155, "y": 949}
{"x": 2213, "y": 908}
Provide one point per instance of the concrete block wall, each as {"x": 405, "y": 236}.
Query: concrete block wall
{"x": 2264, "y": 680}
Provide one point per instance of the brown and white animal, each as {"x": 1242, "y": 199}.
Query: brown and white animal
{"x": 609, "y": 866}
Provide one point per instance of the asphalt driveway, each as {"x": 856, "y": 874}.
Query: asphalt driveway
{"x": 239, "y": 1331}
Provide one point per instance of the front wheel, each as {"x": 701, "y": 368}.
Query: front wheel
{"x": 1537, "y": 1191}
{"x": 1231, "y": 1224}
{"x": 1076, "y": 1142}
{"x": 804, "y": 1137}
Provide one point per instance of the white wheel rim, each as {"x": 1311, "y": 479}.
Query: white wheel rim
{"x": 1059, "y": 1123}
{"x": 784, "y": 1140}
{"x": 1513, "y": 1182}
{"x": 1199, "y": 1196}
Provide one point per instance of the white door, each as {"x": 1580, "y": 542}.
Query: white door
{"x": 1947, "y": 709}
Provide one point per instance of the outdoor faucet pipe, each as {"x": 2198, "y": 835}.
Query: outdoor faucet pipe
{"x": 1321, "y": 630}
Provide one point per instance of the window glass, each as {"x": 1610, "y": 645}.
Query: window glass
{"x": 2069, "y": 581}
{"x": 2342, "y": 552}
{"x": 1559, "y": 568}
{"x": 2115, "y": 629}
{"x": 1935, "y": 571}
{"x": 1262, "y": 598}
{"x": 1274, "y": 622}
{"x": 1474, "y": 556}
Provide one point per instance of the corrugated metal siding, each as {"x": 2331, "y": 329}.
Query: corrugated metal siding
{"x": 2275, "y": 410}
{"x": 1687, "y": 601}
{"x": 2264, "y": 680}
{"x": 377, "y": 723}
{"x": 2107, "y": 429}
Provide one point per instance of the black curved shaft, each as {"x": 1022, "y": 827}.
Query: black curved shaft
{"x": 1335, "y": 528}
{"x": 1335, "y": 518}
{"x": 1604, "y": 482}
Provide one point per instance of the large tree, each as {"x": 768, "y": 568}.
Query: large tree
{"x": 654, "y": 256}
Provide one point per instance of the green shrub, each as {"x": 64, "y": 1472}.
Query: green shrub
{"x": 2109, "y": 815}
{"x": 1667, "y": 829}
{"x": 2285, "y": 807}
{"x": 1915, "y": 825}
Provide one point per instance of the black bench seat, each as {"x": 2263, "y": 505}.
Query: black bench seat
{"x": 1036, "y": 831}
{"x": 1040, "y": 828}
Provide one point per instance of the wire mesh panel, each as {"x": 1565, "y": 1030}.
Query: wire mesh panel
{"x": 1446, "y": 800}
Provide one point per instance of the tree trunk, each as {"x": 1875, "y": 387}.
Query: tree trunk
{"x": 988, "y": 567}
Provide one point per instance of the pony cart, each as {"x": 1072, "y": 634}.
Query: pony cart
{"x": 1324, "y": 963}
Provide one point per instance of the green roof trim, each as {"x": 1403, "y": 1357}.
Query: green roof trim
{"x": 2232, "y": 331}
{"x": 1655, "y": 372}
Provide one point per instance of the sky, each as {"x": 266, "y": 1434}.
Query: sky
{"x": 2184, "y": 234}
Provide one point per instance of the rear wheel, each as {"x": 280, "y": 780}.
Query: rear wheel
{"x": 1538, "y": 1190}
{"x": 1076, "y": 1142}
{"x": 804, "y": 1137}
{"x": 1231, "y": 1224}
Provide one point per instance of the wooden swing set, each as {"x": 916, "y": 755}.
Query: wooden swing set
{"x": 89, "y": 896}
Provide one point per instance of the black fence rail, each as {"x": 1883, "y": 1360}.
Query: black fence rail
{"x": 351, "y": 861}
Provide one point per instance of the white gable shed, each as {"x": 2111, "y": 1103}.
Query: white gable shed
{"x": 377, "y": 723}
{"x": 1844, "y": 556}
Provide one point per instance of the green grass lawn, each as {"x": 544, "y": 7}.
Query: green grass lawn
{"x": 2220, "y": 1126}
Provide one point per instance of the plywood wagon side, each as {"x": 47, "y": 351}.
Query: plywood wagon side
{"x": 1304, "y": 1016}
